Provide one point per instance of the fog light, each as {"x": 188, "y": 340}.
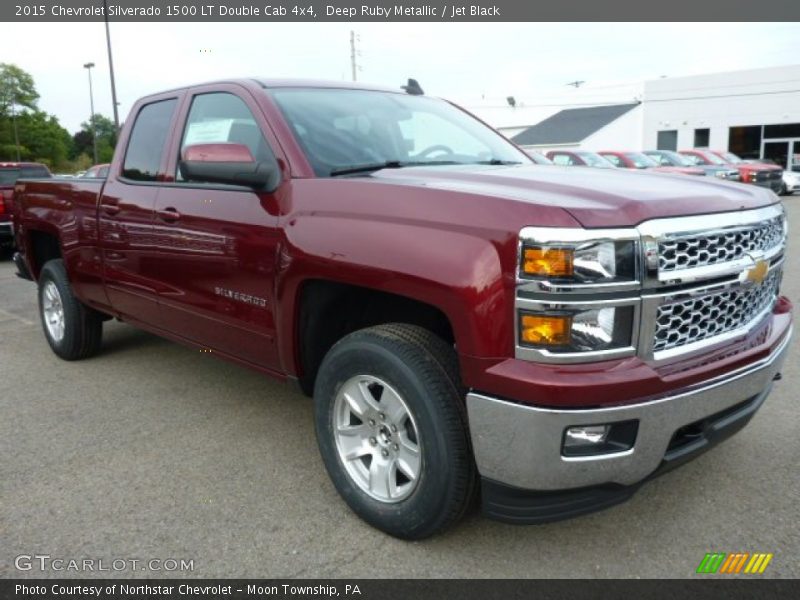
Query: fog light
{"x": 551, "y": 330}
{"x": 596, "y": 440}
{"x": 585, "y": 436}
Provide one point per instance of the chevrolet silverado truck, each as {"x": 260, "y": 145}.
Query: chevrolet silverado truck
{"x": 469, "y": 324}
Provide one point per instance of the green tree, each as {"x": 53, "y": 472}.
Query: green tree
{"x": 17, "y": 90}
{"x": 41, "y": 136}
{"x": 106, "y": 138}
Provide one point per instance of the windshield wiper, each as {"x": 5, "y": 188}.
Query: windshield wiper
{"x": 389, "y": 164}
{"x": 497, "y": 161}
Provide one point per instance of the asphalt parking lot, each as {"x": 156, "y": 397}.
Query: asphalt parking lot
{"x": 153, "y": 450}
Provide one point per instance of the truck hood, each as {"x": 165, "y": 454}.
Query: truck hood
{"x": 594, "y": 197}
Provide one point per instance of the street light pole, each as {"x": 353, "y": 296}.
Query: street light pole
{"x": 111, "y": 68}
{"x": 14, "y": 121}
{"x": 88, "y": 66}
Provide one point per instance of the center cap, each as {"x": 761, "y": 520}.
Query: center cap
{"x": 384, "y": 436}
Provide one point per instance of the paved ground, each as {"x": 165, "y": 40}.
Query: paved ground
{"x": 152, "y": 450}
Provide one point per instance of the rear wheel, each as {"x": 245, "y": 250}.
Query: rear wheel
{"x": 73, "y": 330}
{"x": 391, "y": 427}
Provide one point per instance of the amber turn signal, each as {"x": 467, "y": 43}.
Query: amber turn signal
{"x": 545, "y": 330}
{"x": 547, "y": 262}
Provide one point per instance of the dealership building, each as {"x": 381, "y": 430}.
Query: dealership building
{"x": 753, "y": 113}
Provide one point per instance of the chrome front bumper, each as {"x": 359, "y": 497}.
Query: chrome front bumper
{"x": 521, "y": 446}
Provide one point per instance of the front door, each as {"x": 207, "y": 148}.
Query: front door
{"x": 217, "y": 243}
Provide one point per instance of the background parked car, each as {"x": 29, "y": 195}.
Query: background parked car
{"x": 538, "y": 157}
{"x": 639, "y": 160}
{"x": 97, "y": 171}
{"x": 760, "y": 174}
{"x": 791, "y": 182}
{"x": 578, "y": 158}
{"x": 670, "y": 158}
{"x": 9, "y": 173}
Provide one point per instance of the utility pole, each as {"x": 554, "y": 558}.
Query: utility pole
{"x": 88, "y": 66}
{"x": 353, "y": 65}
{"x": 111, "y": 69}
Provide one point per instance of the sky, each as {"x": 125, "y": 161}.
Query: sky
{"x": 475, "y": 64}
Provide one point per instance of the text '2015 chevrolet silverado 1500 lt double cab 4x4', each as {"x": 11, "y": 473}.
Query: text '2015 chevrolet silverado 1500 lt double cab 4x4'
{"x": 466, "y": 321}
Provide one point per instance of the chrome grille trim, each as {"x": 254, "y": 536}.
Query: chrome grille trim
{"x": 715, "y": 247}
{"x": 701, "y": 317}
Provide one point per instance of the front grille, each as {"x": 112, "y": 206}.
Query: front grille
{"x": 769, "y": 175}
{"x": 700, "y": 250}
{"x": 696, "y": 319}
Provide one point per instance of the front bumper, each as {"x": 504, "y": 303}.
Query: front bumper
{"x": 773, "y": 184}
{"x": 518, "y": 448}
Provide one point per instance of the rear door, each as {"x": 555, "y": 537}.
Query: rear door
{"x": 125, "y": 215}
{"x": 217, "y": 243}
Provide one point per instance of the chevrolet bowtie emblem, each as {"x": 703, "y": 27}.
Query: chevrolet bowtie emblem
{"x": 755, "y": 274}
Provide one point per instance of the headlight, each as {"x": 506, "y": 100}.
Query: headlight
{"x": 586, "y": 262}
{"x": 579, "y": 330}
{"x": 721, "y": 174}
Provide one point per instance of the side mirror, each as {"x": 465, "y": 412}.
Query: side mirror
{"x": 227, "y": 163}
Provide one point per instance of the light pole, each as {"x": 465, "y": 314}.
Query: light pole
{"x": 88, "y": 66}
{"x": 14, "y": 120}
{"x": 111, "y": 68}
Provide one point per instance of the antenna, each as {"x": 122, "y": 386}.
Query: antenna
{"x": 353, "y": 53}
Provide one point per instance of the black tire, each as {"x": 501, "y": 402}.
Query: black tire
{"x": 423, "y": 369}
{"x": 83, "y": 326}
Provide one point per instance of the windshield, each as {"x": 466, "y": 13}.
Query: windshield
{"x": 730, "y": 157}
{"x": 669, "y": 158}
{"x": 341, "y": 130}
{"x": 707, "y": 158}
{"x": 595, "y": 160}
{"x": 641, "y": 161}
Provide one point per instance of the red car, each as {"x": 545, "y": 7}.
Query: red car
{"x": 639, "y": 160}
{"x": 9, "y": 173}
{"x": 464, "y": 319}
{"x": 760, "y": 174}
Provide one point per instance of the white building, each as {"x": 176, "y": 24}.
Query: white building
{"x": 753, "y": 113}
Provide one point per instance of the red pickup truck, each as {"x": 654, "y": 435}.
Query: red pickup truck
{"x": 9, "y": 173}
{"x": 764, "y": 175}
{"x": 466, "y": 321}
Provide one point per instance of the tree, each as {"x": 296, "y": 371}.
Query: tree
{"x": 106, "y": 138}
{"x": 41, "y": 136}
{"x": 17, "y": 90}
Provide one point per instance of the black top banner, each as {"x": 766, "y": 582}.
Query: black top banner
{"x": 388, "y": 11}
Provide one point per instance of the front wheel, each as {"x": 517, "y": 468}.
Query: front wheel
{"x": 73, "y": 330}
{"x": 391, "y": 427}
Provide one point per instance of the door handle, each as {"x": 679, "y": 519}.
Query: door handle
{"x": 110, "y": 209}
{"x": 170, "y": 215}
